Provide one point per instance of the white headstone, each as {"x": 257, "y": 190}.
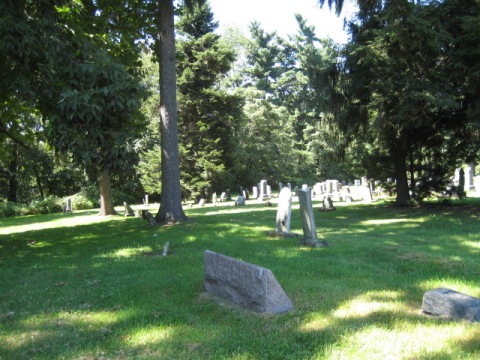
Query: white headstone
{"x": 284, "y": 210}
{"x": 469, "y": 185}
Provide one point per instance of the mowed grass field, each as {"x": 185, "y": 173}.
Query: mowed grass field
{"x": 79, "y": 286}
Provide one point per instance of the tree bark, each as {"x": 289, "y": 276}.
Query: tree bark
{"x": 399, "y": 160}
{"x": 12, "y": 177}
{"x": 106, "y": 203}
{"x": 170, "y": 210}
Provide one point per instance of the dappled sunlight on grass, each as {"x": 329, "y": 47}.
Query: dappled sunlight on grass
{"x": 371, "y": 302}
{"x": 472, "y": 244}
{"x": 58, "y": 221}
{"x": 466, "y": 287}
{"x": 238, "y": 210}
{"x": 390, "y": 221}
{"x": 401, "y": 341}
{"x": 149, "y": 335}
{"x": 127, "y": 252}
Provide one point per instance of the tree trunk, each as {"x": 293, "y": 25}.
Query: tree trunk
{"x": 170, "y": 210}
{"x": 399, "y": 160}
{"x": 106, "y": 203}
{"x": 39, "y": 182}
{"x": 12, "y": 177}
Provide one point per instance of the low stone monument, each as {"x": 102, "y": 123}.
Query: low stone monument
{"x": 451, "y": 304}
{"x": 240, "y": 201}
{"x": 151, "y": 220}
{"x": 308, "y": 220}
{"x": 128, "y": 210}
{"x": 201, "y": 202}
{"x": 250, "y": 286}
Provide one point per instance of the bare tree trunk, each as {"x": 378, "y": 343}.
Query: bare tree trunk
{"x": 170, "y": 210}
{"x": 106, "y": 203}
{"x": 399, "y": 160}
{"x": 12, "y": 176}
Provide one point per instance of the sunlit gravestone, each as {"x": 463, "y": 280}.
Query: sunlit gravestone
{"x": 308, "y": 220}
{"x": 284, "y": 211}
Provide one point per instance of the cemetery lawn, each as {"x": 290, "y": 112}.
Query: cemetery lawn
{"x": 78, "y": 286}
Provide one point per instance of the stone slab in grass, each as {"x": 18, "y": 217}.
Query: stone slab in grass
{"x": 451, "y": 304}
{"x": 250, "y": 286}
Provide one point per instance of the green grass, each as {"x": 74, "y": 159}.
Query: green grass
{"x": 78, "y": 286}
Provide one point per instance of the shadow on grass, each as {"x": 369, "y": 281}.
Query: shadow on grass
{"x": 90, "y": 291}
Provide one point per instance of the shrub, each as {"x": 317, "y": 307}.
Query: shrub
{"x": 9, "y": 209}
{"x": 81, "y": 202}
{"x": 51, "y": 204}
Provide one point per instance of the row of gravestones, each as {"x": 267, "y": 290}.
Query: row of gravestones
{"x": 360, "y": 190}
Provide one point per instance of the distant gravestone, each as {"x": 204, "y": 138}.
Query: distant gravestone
{"x": 240, "y": 201}
{"x": 469, "y": 174}
{"x": 284, "y": 211}
{"x": 451, "y": 304}
{"x": 151, "y": 220}
{"x": 308, "y": 220}
{"x": 222, "y": 196}
{"x": 367, "y": 193}
{"x": 327, "y": 204}
{"x": 255, "y": 192}
{"x": 214, "y": 199}
{"x": 201, "y": 203}
{"x": 229, "y": 196}
{"x": 145, "y": 200}
{"x": 263, "y": 191}
{"x": 250, "y": 286}
{"x": 68, "y": 207}
{"x": 128, "y": 210}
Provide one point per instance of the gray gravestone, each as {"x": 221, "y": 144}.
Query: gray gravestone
{"x": 201, "y": 203}
{"x": 229, "y": 196}
{"x": 251, "y": 286}
{"x": 68, "y": 207}
{"x": 308, "y": 220}
{"x": 451, "y": 304}
{"x": 284, "y": 211}
{"x": 128, "y": 210}
{"x": 240, "y": 201}
{"x": 214, "y": 199}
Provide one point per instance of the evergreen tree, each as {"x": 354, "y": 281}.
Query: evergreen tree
{"x": 206, "y": 113}
{"x": 395, "y": 76}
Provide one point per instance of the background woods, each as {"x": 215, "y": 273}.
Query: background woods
{"x": 82, "y": 93}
